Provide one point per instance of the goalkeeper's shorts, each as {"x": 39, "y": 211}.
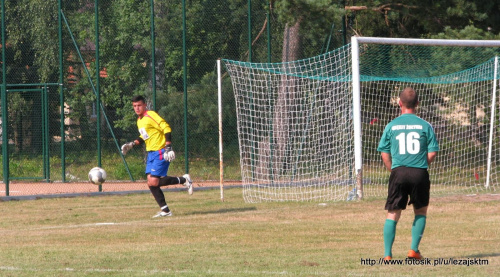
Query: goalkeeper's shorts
{"x": 156, "y": 165}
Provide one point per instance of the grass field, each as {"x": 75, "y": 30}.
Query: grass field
{"x": 116, "y": 236}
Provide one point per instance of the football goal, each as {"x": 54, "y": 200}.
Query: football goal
{"x": 308, "y": 130}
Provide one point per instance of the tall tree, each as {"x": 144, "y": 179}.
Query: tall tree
{"x": 306, "y": 23}
{"x": 415, "y": 18}
{"x": 31, "y": 58}
{"x": 311, "y": 21}
{"x": 125, "y": 60}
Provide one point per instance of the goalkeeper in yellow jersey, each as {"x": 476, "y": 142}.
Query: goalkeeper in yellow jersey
{"x": 155, "y": 133}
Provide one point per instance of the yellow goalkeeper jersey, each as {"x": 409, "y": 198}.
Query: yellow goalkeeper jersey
{"x": 153, "y": 129}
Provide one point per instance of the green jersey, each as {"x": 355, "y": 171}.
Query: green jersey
{"x": 408, "y": 139}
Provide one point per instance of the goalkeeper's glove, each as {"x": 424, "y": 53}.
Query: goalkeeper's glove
{"x": 169, "y": 154}
{"x": 127, "y": 146}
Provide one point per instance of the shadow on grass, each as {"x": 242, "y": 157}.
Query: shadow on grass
{"x": 485, "y": 255}
{"x": 482, "y": 256}
{"x": 223, "y": 211}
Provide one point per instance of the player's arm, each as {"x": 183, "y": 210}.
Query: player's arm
{"x": 432, "y": 146}
{"x": 386, "y": 158}
{"x": 169, "y": 154}
{"x": 384, "y": 147}
{"x": 430, "y": 157}
{"x": 168, "y": 139}
{"x": 164, "y": 127}
{"x": 129, "y": 145}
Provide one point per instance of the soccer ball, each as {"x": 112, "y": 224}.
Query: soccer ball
{"x": 97, "y": 176}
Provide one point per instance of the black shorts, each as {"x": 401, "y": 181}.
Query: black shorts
{"x": 408, "y": 181}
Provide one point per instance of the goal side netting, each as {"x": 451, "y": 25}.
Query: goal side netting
{"x": 294, "y": 128}
{"x": 308, "y": 130}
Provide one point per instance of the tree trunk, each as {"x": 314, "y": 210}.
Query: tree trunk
{"x": 279, "y": 158}
{"x": 291, "y": 42}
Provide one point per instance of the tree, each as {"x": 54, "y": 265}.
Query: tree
{"x": 125, "y": 61}
{"x": 307, "y": 24}
{"x": 31, "y": 57}
{"x": 416, "y": 19}
{"x": 298, "y": 16}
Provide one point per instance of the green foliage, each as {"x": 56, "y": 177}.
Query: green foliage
{"x": 33, "y": 39}
{"x": 324, "y": 17}
{"x": 469, "y": 32}
{"x": 124, "y": 58}
{"x": 459, "y": 59}
{"x": 25, "y": 167}
{"x": 202, "y": 116}
{"x": 416, "y": 19}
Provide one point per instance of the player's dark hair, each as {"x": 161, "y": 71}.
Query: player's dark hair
{"x": 409, "y": 98}
{"x": 138, "y": 98}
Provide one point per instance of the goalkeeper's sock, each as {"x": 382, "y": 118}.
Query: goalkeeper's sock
{"x": 158, "y": 195}
{"x": 168, "y": 180}
{"x": 389, "y": 236}
{"x": 417, "y": 231}
{"x": 165, "y": 209}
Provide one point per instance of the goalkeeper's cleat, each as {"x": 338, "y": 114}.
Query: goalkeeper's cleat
{"x": 189, "y": 183}
{"x": 387, "y": 258}
{"x": 412, "y": 254}
{"x": 162, "y": 214}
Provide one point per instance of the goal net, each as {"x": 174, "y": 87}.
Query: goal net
{"x": 294, "y": 128}
{"x": 308, "y": 130}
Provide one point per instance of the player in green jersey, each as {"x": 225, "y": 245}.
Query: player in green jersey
{"x": 408, "y": 146}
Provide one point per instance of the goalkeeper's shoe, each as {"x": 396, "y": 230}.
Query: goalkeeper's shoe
{"x": 162, "y": 214}
{"x": 412, "y": 254}
{"x": 387, "y": 258}
{"x": 189, "y": 183}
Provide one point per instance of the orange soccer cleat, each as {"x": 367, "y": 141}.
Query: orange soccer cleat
{"x": 412, "y": 254}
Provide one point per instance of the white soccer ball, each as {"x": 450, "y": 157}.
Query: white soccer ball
{"x": 97, "y": 176}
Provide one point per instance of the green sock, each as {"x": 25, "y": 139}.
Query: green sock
{"x": 389, "y": 236}
{"x": 417, "y": 231}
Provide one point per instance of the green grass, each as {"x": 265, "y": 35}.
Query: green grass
{"x": 115, "y": 236}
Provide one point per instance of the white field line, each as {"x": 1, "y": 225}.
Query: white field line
{"x": 76, "y": 226}
{"x": 213, "y": 218}
{"x": 177, "y": 221}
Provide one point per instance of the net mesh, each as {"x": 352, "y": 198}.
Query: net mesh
{"x": 294, "y": 128}
{"x": 455, "y": 86}
{"x": 295, "y": 121}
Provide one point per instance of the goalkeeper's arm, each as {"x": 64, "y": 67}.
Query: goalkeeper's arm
{"x": 129, "y": 145}
{"x": 169, "y": 154}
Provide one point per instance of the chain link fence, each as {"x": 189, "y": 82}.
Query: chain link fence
{"x": 53, "y": 128}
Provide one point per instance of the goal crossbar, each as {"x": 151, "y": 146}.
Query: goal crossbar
{"x": 429, "y": 42}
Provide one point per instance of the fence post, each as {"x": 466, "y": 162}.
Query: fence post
{"x": 61, "y": 91}
{"x": 5, "y": 140}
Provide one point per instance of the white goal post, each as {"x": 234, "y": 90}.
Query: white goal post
{"x": 355, "y": 45}
{"x": 308, "y": 129}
